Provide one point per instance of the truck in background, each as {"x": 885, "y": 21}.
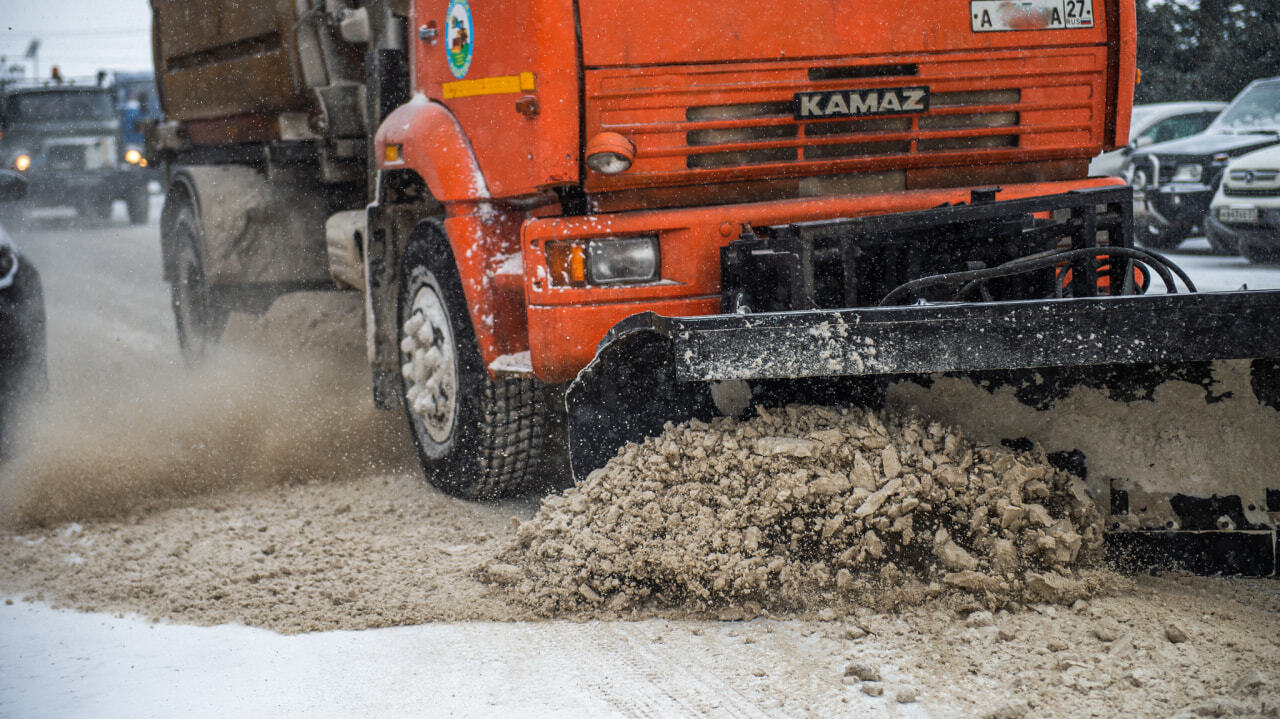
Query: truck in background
{"x": 626, "y": 213}
{"x": 64, "y": 137}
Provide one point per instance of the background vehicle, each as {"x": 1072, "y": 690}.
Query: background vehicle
{"x": 1246, "y": 209}
{"x": 1182, "y": 176}
{"x": 22, "y": 324}
{"x": 647, "y": 208}
{"x": 64, "y": 137}
{"x": 1158, "y": 122}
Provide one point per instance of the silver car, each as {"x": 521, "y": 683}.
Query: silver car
{"x": 1154, "y": 123}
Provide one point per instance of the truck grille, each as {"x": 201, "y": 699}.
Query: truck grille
{"x": 695, "y": 123}
{"x": 859, "y": 135}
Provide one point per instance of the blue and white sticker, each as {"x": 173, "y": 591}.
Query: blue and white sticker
{"x": 459, "y": 37}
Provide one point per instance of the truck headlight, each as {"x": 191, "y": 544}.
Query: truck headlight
{"x": 604, "y": 261}
{"x": 610, "y": 153}
{"x": 133, "y": 156}
{"x": 22, "y": 162}
{"x": 1188, "y": 173}
{"x": 622, "y": 259}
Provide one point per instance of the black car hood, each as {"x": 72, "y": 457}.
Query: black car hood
{"x": 1212, "y": 143}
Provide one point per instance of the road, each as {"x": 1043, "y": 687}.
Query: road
{"x": 110, "y": 327}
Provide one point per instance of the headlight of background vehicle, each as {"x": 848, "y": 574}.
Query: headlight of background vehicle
{"x": 1188, "y": 173}
{"x": 133, "y": 156}
{"x": 605, "y": 261}
{"x": 21, "y": 162}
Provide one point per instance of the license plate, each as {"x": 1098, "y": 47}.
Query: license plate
{"x": 1011, "y": 15}
{"x": 1238, "y": 214}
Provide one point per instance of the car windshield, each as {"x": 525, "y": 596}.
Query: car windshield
{"x": 61, "y": 106}
{"x": 1257, "y": 108}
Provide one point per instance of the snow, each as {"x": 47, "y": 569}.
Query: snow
{"x": 509, "y": 264}
{"x": 65, "y": 664}
{"x": 518, "y": 362}
{"x": 1214, "y": 273}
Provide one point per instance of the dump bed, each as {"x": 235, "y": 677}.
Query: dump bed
{"x": 226, "y": 58}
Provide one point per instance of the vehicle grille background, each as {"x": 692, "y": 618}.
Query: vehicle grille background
{"x": 1252, "y": 183}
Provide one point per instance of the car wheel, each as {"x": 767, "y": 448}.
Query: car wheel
{"x": 478, "y": 437}
{"x": 197, "y": 314}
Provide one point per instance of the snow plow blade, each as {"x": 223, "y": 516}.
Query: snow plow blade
{"x": 652, "y": 369}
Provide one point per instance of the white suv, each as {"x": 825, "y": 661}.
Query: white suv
{"x": 1246, "y": 208}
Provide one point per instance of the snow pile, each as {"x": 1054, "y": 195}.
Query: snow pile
{"x": 803, "y": 507}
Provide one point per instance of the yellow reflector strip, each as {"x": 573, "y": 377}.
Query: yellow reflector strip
{"x": 501, "y": 85}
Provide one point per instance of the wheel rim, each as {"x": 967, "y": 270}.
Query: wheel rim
{"x": 429, "y": 365}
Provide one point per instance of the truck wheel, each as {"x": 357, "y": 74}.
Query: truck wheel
{"x": 139, "y": 204}
{"x": 1156, "y": 237}
{"x": 477, "y": 437}
{"x": 199, "y": 318}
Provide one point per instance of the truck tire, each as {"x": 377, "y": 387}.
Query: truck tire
{"x": 477, "y": 437}
{"x": 139, "y": 204}
{"x": 197, "y": 314}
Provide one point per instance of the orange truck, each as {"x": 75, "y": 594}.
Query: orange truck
{"x": 625, "y": 213}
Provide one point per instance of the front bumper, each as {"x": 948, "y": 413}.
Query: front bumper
{"x": 1266, "y": 232}
{"x": 1176, "y": 205}
{"x": 48, "y": 189}
{"x": 566, "y": 324}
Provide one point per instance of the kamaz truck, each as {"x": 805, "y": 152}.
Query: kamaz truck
{"x": 623, "y": 214}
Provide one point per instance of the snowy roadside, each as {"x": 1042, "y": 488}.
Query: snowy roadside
{"x": 1169, "y": 647}
{"x": 67, "y": 664}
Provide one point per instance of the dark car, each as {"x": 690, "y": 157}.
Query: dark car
{"x": 64, "y": 137}
{"x": 1178, "y": 179}
{"x": 22, "y": 323}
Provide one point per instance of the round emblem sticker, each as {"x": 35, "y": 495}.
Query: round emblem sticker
{"x": 459, "y": 37}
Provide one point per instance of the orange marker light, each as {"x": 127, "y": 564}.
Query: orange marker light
{"x": 567, "y": 263}
{"x": 393, "y": 153}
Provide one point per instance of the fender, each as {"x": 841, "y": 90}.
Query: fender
{"x": 253, "y": 231}
{"x": 484, "y": 238}
{"x": 432, "y": 144}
